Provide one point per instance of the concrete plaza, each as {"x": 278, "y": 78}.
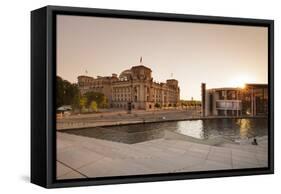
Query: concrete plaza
{"x": 82, "y": 157}
{"x": 117, "y": 117}
{"x": 120, "y": 117}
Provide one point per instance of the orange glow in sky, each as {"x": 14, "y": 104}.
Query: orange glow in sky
{"x": 218, "y": 55}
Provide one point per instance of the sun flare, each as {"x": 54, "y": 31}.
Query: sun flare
{"x": 240, "y": 81}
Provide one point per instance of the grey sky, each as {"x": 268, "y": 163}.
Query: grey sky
{"x": 219, "y": 55}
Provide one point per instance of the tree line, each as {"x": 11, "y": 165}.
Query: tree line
{"x": 69, "y": 94}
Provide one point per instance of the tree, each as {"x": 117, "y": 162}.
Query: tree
{"x": 104, "y": 102}
{"x": 75, "y": 103}
{"x": 60, "y": 91}
{"x": 157, "y": 105}
{"x": 83, "y": 102}
{"x": 99, "y": 98}
{"x": 67, "y": 93}
{"x": 94, "y": 106}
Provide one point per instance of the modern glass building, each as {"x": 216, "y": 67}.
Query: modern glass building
{"x": 252, "y": 100}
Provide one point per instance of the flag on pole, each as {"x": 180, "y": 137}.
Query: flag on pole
{"x": 86, "y": 71}
{"x": 141, "y": 60}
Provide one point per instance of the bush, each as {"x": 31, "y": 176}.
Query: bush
{"x": 84, "y": 110}
{"x": 100, "y": 99}
{"x": 157, "y": 105}
{"x": 94, "y": 106}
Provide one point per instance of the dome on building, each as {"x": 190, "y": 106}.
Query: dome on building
{"x": 126, "y": 75}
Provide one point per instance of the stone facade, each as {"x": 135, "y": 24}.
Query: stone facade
{"x": 134, "y": 86}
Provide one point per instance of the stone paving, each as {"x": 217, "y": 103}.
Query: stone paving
{"x": 82, "y": 157}
{"x": 139, "y": 116}
{"x": 121, "y": 117}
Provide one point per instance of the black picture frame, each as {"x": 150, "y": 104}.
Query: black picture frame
{"x": 43, "y": 87}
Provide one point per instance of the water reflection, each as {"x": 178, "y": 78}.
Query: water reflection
{"x": 245, "y": 127}
{"x": 231, "y": 129}
{"x": 191, "y": 128}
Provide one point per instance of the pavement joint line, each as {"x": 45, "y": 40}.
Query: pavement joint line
{"x": 72, "y": 169}
{"x": 90, "y": 163}
{"x": 231, "y": 161}
{"x": 207, "y": 156}
{"x": 161, "y": 147}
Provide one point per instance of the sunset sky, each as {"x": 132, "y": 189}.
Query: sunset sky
{"x": 192, "y": 53}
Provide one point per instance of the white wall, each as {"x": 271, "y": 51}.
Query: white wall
{"x": 15, "y": 94}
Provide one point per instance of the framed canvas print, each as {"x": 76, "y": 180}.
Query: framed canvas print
{"x": 126, "y": 96}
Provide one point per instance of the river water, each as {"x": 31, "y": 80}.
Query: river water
{"x": 230, "y": 129}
